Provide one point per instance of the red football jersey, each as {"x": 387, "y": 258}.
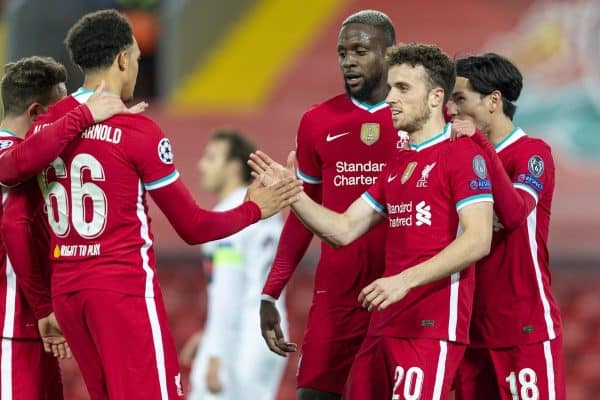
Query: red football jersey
{"x": 343, "y": 145}
{"x": 420, "y": 193}
{"x": 16, "y": 318}
{"x": 96, "y": 203}
{"x": 513, "y": 301}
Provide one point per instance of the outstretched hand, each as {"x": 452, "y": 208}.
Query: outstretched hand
{"x": 462, "y": 127}
{"x": 52, "y": 337}
{"x": 270, "y": 327}
{"x": 272, "y": 198}
{"x": 269, "y": 171}
{"x": 103, "y": 104}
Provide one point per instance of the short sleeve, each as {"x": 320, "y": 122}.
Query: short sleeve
{"x": 309, "y": 165}
{"x": 375, "y": 195}
{"x": 468, "y": 174}
{"x": 152, "y": 154}
{"x": 533, "y": 169}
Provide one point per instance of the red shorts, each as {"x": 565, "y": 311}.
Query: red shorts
{"x": 332, "y": 340}
{"x": 400, "y": 369}
{"x": 28, "y": 373}
{"x": 122, "y": 344}
{"x": 534, "y": 371}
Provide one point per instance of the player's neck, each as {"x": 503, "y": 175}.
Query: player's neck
{"x": 16, "y": 125}
{"x": 499, "y": 129}
{"x": 93, "y": 79}
{"x": 432, "y": 128}
{"x": 377, "y": 95}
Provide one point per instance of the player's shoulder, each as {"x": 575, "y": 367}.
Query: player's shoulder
{"x": 534, "y": 144}
{"x": 136, "y": 125}
{"x": 333, "y": 105}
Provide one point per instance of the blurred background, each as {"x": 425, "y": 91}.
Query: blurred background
{"x": 258, "y": 64}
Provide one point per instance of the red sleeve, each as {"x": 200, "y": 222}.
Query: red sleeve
{"x": 27, "y": 246}
{"x": 468, "y": 174}
{"x": 510, "y": 206}
{"x": 196, "y": 225}
{"x": 532, "y": 171}
{"x": 152, "y": 156}
{"x": 293, "y": 243}
{"x": 24, "y": 160}
{"x": 309, "y": 164}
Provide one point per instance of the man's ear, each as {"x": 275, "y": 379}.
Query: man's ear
{"x": 35, "y": 110}
{"x": 122, "y": 60}
{"x": 495, "y": 100}
{"x": 436, "y": 97}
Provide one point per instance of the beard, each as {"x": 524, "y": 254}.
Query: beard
{"x": 416, "y": 123}
{"x": 364, "y": 93}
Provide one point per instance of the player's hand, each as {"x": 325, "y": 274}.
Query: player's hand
{"x": 213, "y": 381}
{"x": 270, "y": 199}
{"x": 497, "y": 225}
{"x": 52, "y": 337}
{"x": 270, "y": 171}
{"x": 270, "y": 326}
{"x": 103, "y": 105}
{"x": 462, "y": 127}
{"x": 188, "y": 351}
{"x": 383, "y": 292}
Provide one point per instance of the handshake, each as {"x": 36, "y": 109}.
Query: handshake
{"x": 275, "y": 186}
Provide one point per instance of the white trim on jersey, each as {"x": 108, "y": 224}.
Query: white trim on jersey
{"x": 512, "y": 137}
{"x": 368, "y": 107}
{"x": 467, "y": 201}
{"x": 453, "y": 316}
{"x": 440, "y": 371}
{"x": 82, "y": 95}
{"x": 8, "y": 332}
{"x": 533, "y": 248}
{"x": 308, "y": 179}
{"x": 373, "y": 203}
{"x": 149, "y": 294}
{"x": 439, "y": 138}
{"x": 527, "y": 189}
{"x": 162, "y": 182}
{"x": 549, "y": 370}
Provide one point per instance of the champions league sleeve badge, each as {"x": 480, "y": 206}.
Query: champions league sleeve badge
{"x": 165, "y": 152}
{"x": 536, "y": 166}
{"x": 479, "y": 167}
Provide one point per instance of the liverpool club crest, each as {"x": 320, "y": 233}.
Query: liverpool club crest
{"x": 369, "y": 133}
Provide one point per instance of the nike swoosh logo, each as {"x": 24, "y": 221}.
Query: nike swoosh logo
{"x": 391, "y": 178}
{"x": 332, "y": 138}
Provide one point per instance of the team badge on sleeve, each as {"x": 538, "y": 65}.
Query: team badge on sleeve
{"x": 479, "y": 166}
{"x": 5, "y": 144}
{"x": 536, "y": 166}
{"x": 165, "y": 152}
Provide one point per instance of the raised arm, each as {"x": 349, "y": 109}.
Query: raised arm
{"x": 336, "y": 229}
{"x": 23, "y": 160}
{"x": 196, "y": 225}
{"x": 511, "y": 205}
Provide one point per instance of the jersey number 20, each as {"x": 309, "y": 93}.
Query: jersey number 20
{"x": 58, "y": 200}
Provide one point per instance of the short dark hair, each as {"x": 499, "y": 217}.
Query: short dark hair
{"x": 489, "y": 72}
{"x": 376, "y": 19}
{"x": 29, "y": 80}
{"x": 96, "y": 39}
{"x": 240, "y": 148}
{"x": 439, "y": 67}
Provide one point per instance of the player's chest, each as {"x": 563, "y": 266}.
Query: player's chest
{"x": 356, "y": 142}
